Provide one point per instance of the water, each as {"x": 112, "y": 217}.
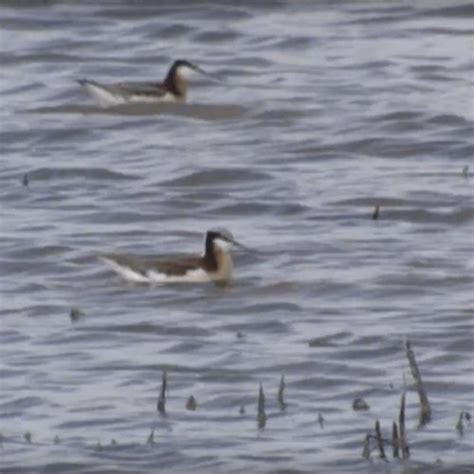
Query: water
{"x": 325, "y": 110}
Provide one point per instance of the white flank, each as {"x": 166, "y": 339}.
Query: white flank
{"x": 125, "y": 272}
{"x": 152, "y": 276}
{"x": 103, "y": 96}
{"x": 150, "y": 98}
{"x": 191, "y": 276}
{"x": 106, "y": 98}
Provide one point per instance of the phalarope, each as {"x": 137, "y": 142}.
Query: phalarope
{"x": 214, "y": 265}
{"x": 172, "y": 89}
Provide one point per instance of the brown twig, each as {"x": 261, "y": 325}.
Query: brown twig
{"x": 395, "y": 444}
{"x": 379, "y": 440}
{"x": 366, "y": 448}
{"x": 401, "y": 427}
{"x": 425, "y": 409}
{"x": 281, "y": 394}
{"x": 261, "y": 415}
{"x": 460, "y": 424}
{"x": 162, "y": 397}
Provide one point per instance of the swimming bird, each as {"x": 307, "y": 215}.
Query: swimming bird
{"x": 214, "y": 265}
{"x": 172, "y": 89}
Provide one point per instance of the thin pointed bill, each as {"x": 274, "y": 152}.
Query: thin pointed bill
{"x": 243, "y": 247}
{"x": 206, "y": 74}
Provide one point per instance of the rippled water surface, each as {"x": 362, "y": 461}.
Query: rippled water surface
{"x": 323, "y": 110}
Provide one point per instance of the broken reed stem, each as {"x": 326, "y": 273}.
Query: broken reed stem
{"x": 151, "y": 438}
{"x": 425, "y": 409}
{"x": 321, "y": 420}
{"x": 281, "y": 394}
{"x": 261, "y": 415}
{"x": 401, "y": 428}
{"x": 162, "y": 397}
{"x": 395, "y": 439}
{"x": 366, "y": 447}
{"x": 395, "y": 442}
{"x": 379, "y": 440}
{"x": 460, "y": 424}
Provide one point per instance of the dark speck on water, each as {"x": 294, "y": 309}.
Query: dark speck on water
{"x": 191, "y": 404}
{"x": 321, "y": 420}
{"x": 75, "y": 314}
{"x": 151, "y": 438}
{"x": 323, "y": 113}
{"x": 375, "y": 215}
{"x": 360, "y": 404}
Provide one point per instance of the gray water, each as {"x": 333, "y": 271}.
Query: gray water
{"x": 323, "y": 111}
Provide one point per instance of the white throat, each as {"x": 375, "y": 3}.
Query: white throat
{"x": 184, "y": 72}
{"x": 223, "y": 245}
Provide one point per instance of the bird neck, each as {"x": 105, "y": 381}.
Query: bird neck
{"x": 176, "y": 83}
{"x": 224, "y": 264}
{"x": 219, "y": 261}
